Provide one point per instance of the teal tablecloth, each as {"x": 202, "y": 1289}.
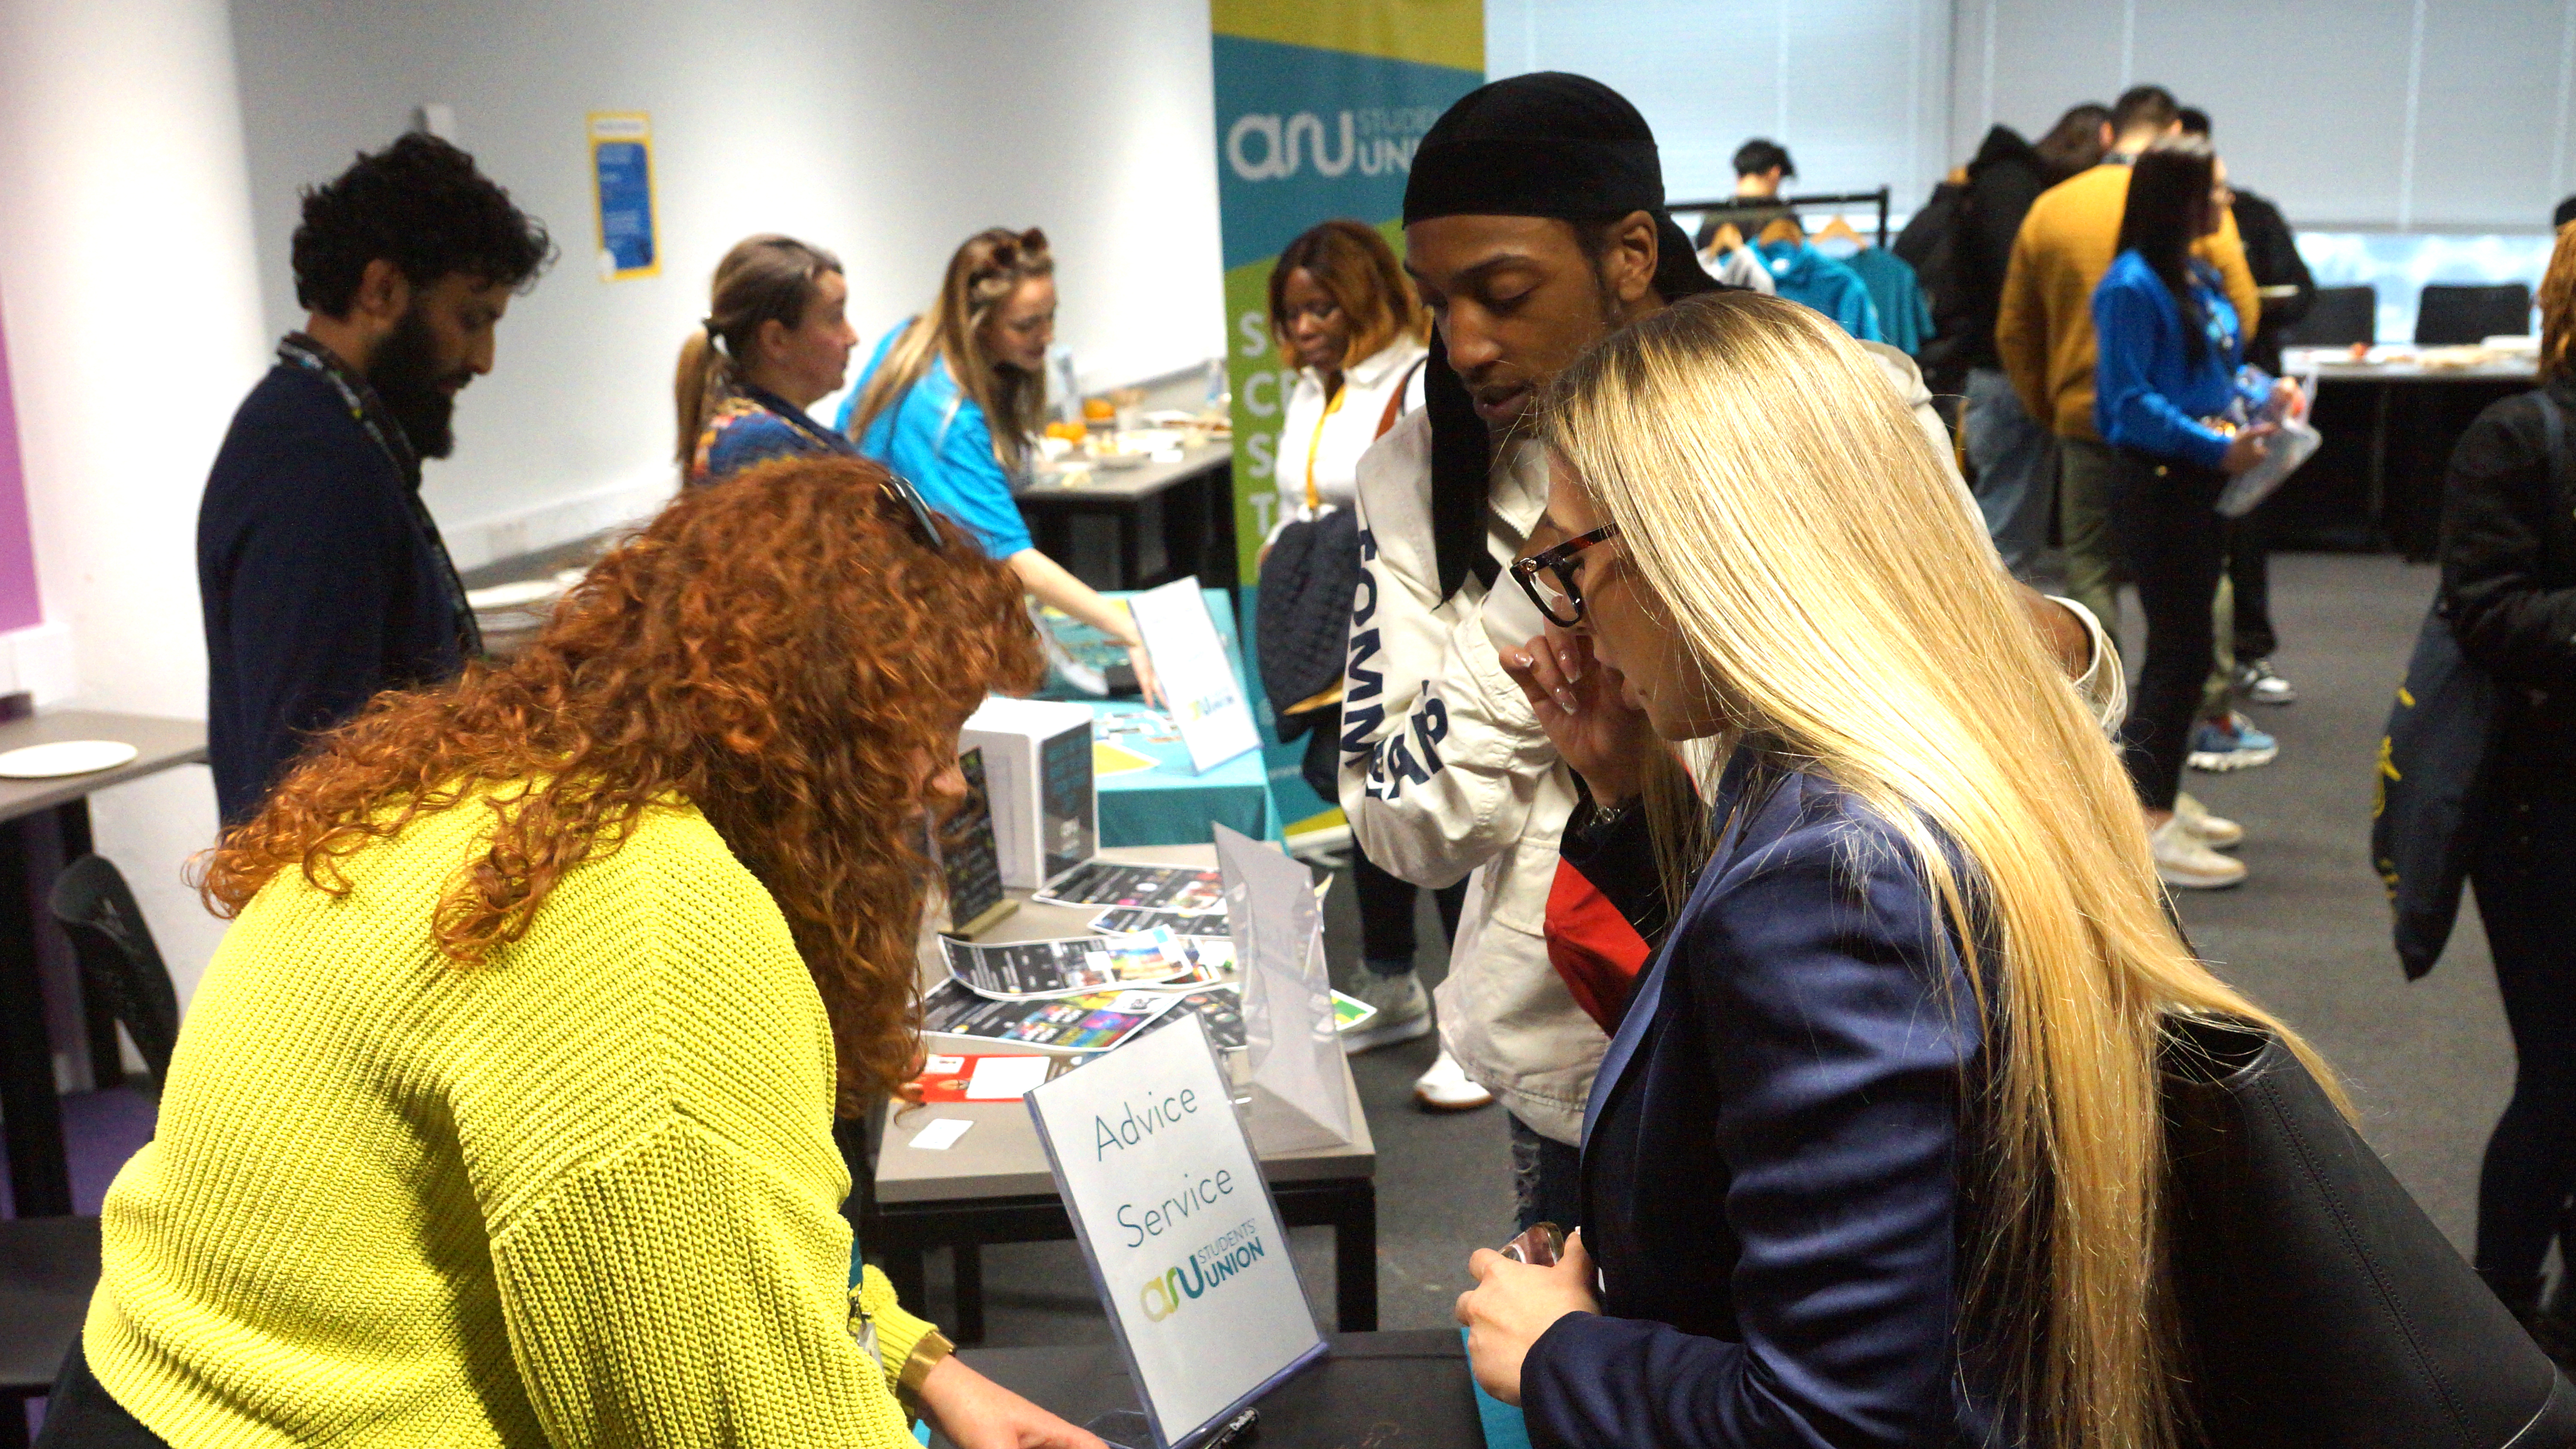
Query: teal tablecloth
{"x": 1169, "y": 804}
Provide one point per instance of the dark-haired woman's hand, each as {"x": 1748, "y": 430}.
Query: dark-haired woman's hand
{"x": 1581, "y": 704}
{"x": 2247, "y": 448}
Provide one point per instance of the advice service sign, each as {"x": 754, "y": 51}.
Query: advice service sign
{"x": 1177, "y": 1226}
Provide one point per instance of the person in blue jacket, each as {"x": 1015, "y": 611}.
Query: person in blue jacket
{"x": 952, "y": 402}
{"x": 1874, "y": 1157}
{"x": 776, "y": 340}
{"x": 2172, "y": 396}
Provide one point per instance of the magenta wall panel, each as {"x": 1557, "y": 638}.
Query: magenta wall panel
{"x": 19, "y": 606}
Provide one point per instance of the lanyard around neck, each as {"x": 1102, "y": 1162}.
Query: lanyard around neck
{"x": 380, "y": 426}
{"x": 1315, "y": 500}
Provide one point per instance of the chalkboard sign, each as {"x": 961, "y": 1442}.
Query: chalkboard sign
{"x": 968, "y": 858}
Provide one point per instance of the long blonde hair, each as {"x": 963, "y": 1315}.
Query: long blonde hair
{"x": 1792, "y": 526}
{"x": 982, "y": 277}
{"x": 764, "y": 278}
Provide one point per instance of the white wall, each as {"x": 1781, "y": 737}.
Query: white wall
{"x": 1858, "y": 90}
{"x": 886, "y": 131}
{"x": 2351, "y": 114}
{"x": 133, "y": 329}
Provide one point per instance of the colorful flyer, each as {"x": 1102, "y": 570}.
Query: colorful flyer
{"x": 1118, "y": 919}
{"x": 1114, "y": 883}
{"x": 1069, "y": 966}
{"x": 1070, "y": 1025}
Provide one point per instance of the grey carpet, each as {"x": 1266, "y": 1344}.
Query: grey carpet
{"x": 2307, "y": 934}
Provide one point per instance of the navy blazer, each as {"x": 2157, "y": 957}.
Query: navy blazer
{"x": 1771, "y": 1154}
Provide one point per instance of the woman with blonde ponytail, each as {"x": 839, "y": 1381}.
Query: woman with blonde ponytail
{"x": 775, "y": 341}
{"x": 952, "y": 402}
{"x": 1876, "y": 1156}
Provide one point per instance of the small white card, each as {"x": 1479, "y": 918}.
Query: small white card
{"x": 941, "y": 1134}
{"x": 1006, "y": 1079}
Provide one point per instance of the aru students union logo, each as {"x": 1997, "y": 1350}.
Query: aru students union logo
{"x": 1212, "y": 1265}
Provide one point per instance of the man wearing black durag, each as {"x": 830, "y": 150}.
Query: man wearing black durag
{"x": 1534, "y": 225}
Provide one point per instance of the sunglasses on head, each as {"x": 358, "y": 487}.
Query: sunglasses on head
{"x": 916, "y": 511}
{"x": 1558, "y": 595}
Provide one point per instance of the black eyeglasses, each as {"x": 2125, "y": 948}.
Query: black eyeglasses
{"x": 917, "y": 512}
{"x": 1558, "y": 596}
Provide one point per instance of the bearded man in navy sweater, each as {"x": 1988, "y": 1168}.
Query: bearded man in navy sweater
{"x": 323, "y": 576}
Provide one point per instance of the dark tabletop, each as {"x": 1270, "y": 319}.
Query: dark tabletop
{"x": 1404, "y": 1390}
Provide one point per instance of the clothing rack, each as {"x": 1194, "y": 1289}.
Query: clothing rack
{"x": 1758, "y": 204}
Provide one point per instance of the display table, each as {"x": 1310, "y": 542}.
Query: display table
{"x": 39, "y": 1178}
{"x": 994, "y": 1186}
{"x": 1171, "y": 804}
{"x": 2389, "y": 426}
{"x": 1407, "y": 1390}
{"x": 1167, "y": 520}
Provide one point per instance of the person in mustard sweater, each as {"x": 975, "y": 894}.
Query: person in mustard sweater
{"x": 503, "y": 1113}
{"x": 2044, "y": 329}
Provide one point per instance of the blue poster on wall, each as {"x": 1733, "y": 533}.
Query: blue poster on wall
{"x": 621, "y": 163}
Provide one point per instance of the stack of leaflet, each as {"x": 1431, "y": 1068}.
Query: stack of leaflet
{"x": 1164, "y": 947}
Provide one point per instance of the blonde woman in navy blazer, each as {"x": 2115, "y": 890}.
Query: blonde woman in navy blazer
{"x": 1875, "y": 1156}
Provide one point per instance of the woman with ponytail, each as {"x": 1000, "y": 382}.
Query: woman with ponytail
{"x": 953, "y": 400}
{"x": 1876, "y": 1155}
{"x": 776, "y": 340}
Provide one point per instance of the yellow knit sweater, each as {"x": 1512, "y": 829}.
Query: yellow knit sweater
{"x": 584, "y": 1193}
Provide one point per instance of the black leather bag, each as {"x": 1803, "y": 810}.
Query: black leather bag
{"x": 1302, "y": 625}
{"x": 2319, "y": 1306}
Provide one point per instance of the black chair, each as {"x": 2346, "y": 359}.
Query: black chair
{"x": 2454, "y": 316}
{"x": 119, "y": 965}
{"x": 49, "y": 1266}
{"x": 2340, "y": 317}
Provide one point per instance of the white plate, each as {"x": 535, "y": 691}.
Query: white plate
{"x": 513, "y": 596}
{"x": 64, "y": 757}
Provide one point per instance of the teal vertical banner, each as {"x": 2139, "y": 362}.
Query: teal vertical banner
{"x": 1319, "y": 106}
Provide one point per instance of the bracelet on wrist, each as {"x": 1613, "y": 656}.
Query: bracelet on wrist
{"x": 926, "y": 1355}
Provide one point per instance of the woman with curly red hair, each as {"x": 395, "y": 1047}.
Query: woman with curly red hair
{"x": 503, "y": 1114}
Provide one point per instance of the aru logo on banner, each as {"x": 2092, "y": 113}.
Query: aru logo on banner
{"x": 1263, "y": 146}
{"x": 1208, "y": 1267}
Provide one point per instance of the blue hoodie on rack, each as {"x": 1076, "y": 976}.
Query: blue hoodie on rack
{"x": 1804, "y": 274}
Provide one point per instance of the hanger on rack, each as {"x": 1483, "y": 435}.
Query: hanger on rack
{"x": 1837, "y": 229}
{"x": 1783, "y": 229}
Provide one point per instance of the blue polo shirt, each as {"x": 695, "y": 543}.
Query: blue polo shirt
{"x": 937, "y": 439}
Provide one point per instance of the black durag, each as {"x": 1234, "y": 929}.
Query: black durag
{"x": 1545, "y": 144}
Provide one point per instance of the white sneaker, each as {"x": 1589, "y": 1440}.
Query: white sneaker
{"x": 1446, "y": 1088}
{"x": 1403, "y": 1012}
{"x": 2184, "y": 863}
{"x": 2215, "y": 831}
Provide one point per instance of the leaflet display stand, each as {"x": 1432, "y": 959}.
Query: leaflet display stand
{"x": 1292, "y": 1047}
